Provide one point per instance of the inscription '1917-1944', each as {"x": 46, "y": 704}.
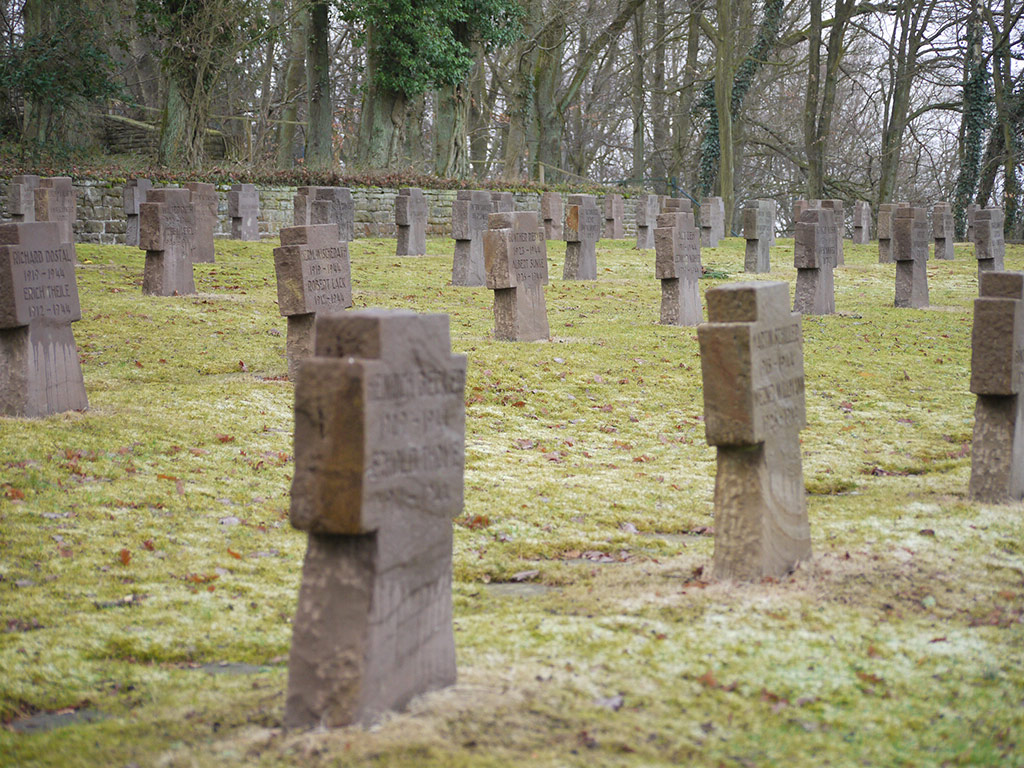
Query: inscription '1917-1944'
{"x": 44, "y": 283}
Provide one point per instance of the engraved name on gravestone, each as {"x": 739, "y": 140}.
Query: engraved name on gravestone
{"x": 757, "y": 230}
{"x": 21, "y": 198}
{"x": 942, "y": 230}
{"x": 134, "y": 193}
{"x": 712, "y": 221}
{"x": 753, "y": 374}
{"x": 244, "y": 210}
{"x": 614, "y": 215}
{"x": 469, "y": 222}
{"x": 40, "y": 372}
{"x": 582, "y": 231}
{"x": 911, "y": 235}
{"x": 313, "y": 276}
{"x": 204, "y": 198}
{"x": 379, "y": 460}
{"x": 167, "y": 226}
{"x": 677, "y": 266}
{"x": 552, "y": 211}
{"x": 861, "y": 222}
{"x": 836, "y": 206}
{"x": 55, "y": 201}
{"x": 997, "y": 378}
{"x": 989, "y": 241}
{"x": 814, "y": 256}
{"x": 647, "y": 209}
{"x": 517, "y": 271}
{"x": 411, "y": 222}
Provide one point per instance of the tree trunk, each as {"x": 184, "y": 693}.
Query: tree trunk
{"x": 294, "y": 77}
{"x": 381, "y": 127}
{"x": 451, "y": 129}
{"x": 637, "y": 97}
{"x": 659, "y": 115}
{"x": 319, "y": 134}
{"x": 723, "y": 106}
{"x": 972, "y": 124}
{"x": 547, "y": 75}
{"x": 479, "y": 115}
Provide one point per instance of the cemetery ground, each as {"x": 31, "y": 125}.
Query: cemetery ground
{"x": 148, "y": 573}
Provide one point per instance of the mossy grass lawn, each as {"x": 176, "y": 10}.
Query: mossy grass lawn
{"x": 148, "y": 573}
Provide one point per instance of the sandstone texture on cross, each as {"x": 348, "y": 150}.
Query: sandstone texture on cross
{"x": 582, "y": 230}
{"x": 675, "y": 205}
{"x": 502, "y": 202}
{"x": 677, "y": 265}
{"x": 997, "y": 378}
{"x": 647, "y": 209}
{"x": 989, "y": 241}
{"x": 758, "y": 224}
{"x": 313, "y": 277}
{"x": 814, "y": 256}
{"x": 911, "y": 236}
{"x": 862, "y": 222}
{"x": 379, "y": 461}
{"x": 167, "y": 232}
{"x": 244, "y": 211}
{"x": 712, "y": 221}
{"x": 55, "y": 201}
{"x": 469, "y": 222}
{"x": 326, "y": 205}
{"x": 204, "y": 198}
{"x": 972, "y": 209}
{"x": 886, "y": 217}
{"x": 411, "y": 222}
{"x": 21, "y": 198}
{"x": 943, "y": 230}
{"x": 751, "y": 352}
{"x": 614, "y": 216}
{"x": 552, "y": 211}
{"x": 517, "y": 271}
{"x": 134, "y": 193}
{"x": 40, "y": 372}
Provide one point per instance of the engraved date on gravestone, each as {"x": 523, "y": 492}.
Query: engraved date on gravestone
{"x": 44, "y": 283}
{"x": 325, "y": 277}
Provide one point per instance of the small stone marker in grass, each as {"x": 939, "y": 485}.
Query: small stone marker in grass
{"x": 862, "y": 222}
{"x": 411, "y": 222}
{"x": 582, "y": 231}
{"x": 502, "y": 202}
{"x": 313, "y": 277}
{"x": 942, "y": 230}
{"x": 469, "y": 222}
{"x": 21, "y": 198}
{"x": 814, "y": 256}
{"x": 204, "y": 197}
{"x": 989, "y": 241}
{"x": 379, "y": 459}
{"x": 167, "y": 232}
{"x": 244, "y": 210}
{"x": 757, "y": 230}
{"x": 517, "y": 271}
{"x": 712, "y": 221}
{"x": 910, "y": 237}
{"x": 997, "y": 378}
{"x": 753, "y": 373}
{"x": 552, "y": 211}
{"x": 614, "y": 214}
{"x": 647, "y": 209}
{"x": 134, "y": 194}
{"x": 39, "y": 369}
{"x": 677, "y": 266}
{"x": 55, "y": 201}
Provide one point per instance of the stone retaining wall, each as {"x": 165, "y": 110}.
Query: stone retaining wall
{"x": 101, "y": 217}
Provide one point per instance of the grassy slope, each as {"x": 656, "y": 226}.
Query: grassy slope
{"x": 899, "y": 644}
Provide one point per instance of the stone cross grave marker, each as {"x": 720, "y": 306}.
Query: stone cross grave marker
{"x": 910, "y": 237}
{"x": 55, "y": 201}
{"x": 552, "y": 211}
{"x": 313, "y": 277}
{"x": 134, "y": 193}
{"x": 614, "y": 214}
{"x": 244, "y": 210}
{"x": 380, "y": 425}
{"x": 862, "y": 222}
{"x": 502, "y": 202}
{"x": 517, "y": 271}
{"x": 469, "y": 222}
{"x": 886, "y": 216}
{"x": 997, "y": 378}
{"x": 39, "y": 369}
{"x": 582, "y": 231}
{"x": 326, "y": 205}
{"x": 712, "y": 221}
{"x": 989, "y": 241}
{"x": 675, "y": 205}
{"x": 647, "y": 209}
{"x": 758, "y": 225}
{"x": 799, "y": 206}
{"x": 751, "y": 352}
{"x": 204, "y": 198}
{"x": 21, "y": 198}
{"x": 972, "y": 208}
{"x": 814, "y": 256}
{"x": 942, "y": 230}
{"x": 836, "y": 206}
{"x": 411, "y": 222}
{"x": 167, "y": 232}
{"x": 677, "y": 266}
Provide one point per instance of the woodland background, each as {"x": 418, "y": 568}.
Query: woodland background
{"x": 916, "y": 100}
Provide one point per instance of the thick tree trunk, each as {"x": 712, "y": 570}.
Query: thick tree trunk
{"x": 319, "y": 134}
{"x": 451, "y": 132}
{"x": 479, "y": 115}
{"x": 659, "y": 116}
{"x": 295, "y": 75}
{"x": 381, "y": 128}
{"x": 547, "y": 73}
{"x": 637, "y": 97}
{"x": 723, "y": 105}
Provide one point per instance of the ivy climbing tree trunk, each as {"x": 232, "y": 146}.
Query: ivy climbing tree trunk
{"x": 723, "y": 106}
{"x": 973, "y": 122}
{"x": 451, "y": 131}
